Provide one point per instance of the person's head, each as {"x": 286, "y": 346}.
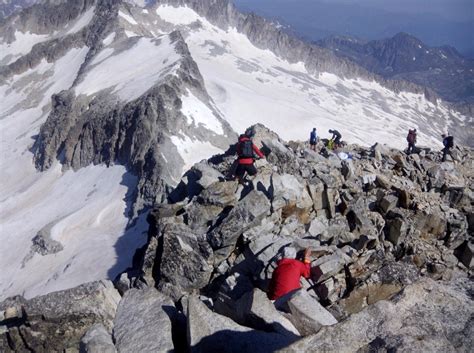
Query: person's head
{"x": 443, "y": 135}
{"x": 314, "y": 129}
{"x": 289, "y": 252}
{"x": 331, "y": 131}
{"x": 249, "y": 132}
{"x": 414, "y": 130}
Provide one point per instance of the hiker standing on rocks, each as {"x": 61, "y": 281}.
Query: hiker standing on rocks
{"x": 286, "y": 277}
{"x": 313, "y": 139}
{"x": 336, "y": 137}
{"x": 448, "y": 143}
{"x": 411, "y": 139}
{"x": 246, "y": 157}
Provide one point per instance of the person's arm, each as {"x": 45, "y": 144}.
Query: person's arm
{"x": 258, "y": 152}
{"x": 306, "y": 265}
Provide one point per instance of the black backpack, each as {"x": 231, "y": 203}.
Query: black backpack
{"x": 450, "y": 141}
{"x": 246, "y": 149}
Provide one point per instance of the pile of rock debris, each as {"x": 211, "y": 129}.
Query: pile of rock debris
{"x": 392, "y": 247}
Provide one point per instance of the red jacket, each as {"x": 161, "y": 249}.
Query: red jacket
{"x": 286, "y": 277}
{"x": 255, "y": 148}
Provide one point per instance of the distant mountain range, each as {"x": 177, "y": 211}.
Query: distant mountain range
{"x": 405, "y": 57}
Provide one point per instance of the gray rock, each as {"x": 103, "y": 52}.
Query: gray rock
{"x": 57, "y": 321}
{"x": 410, "y": 322}
{"x": 388, "y": 202}
{"x": 465, "y": 254}
{"x": 396, "y": 231}
{"x": 186, "y": 259}
{"x": 210, "y": 332}
{"x": 97, "y": 340}
{"x": 248, "y": 213}
{"x": 143, "y": 322}
{"x": 307, "y": 314}
{"x": 256, "y": 310}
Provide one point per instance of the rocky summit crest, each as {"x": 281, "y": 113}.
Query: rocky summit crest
{"x": 392, "y": 244}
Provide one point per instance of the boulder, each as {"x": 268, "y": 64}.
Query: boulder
{"x": 186, "y": 259}
{"x": 388, "y": 202}
{"x": 396, "y": 230}
{"x": 57, "y": 321}
{"x": 97, "y": 340}
{"x": 248, "y": 213}
{"x": 465, "y": 254}
{"x": 411, "y": 321}
{"x": 143, "y": 322}
{"x": 257, "y": 311}
{"x": 287, "y": 189}
{"x": 210, "y": 332}
{"x": 307, "y": 314}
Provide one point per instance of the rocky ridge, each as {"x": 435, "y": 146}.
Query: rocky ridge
{"x": 405, "y": 57}
{"x": 392, "y": 241}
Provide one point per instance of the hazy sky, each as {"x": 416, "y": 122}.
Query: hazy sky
{"x": 453, "y": 9}
{"x": 436, "y": 22}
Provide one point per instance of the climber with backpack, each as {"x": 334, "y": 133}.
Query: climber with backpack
{"x": 246, "y": 151}
{"x": 411, "y": 139}
{"x": 335, "y": 141}
{"x": 448, "y": 143}
{"x": 313, "y": 139}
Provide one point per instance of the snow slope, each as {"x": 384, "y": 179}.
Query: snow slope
{"x": 85, "y": 211}
{"x": 251, "y": 85}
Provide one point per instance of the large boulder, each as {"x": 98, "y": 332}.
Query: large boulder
{"x": 411, "y": 322}
{"x": 248, "y": 213}
{"x": 97, "y": 340}
{"x": 210, "y": 332}
{"x": 143, "y": 322}
{"x": 307, "y": 314}
{"x": 57, "y": 321}
{"x": 186, "y": 260}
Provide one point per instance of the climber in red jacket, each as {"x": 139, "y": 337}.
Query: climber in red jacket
{"x": 286, "y": 277}
{"x": 246, "y": 157}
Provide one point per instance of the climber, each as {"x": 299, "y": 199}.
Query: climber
{"x": 313, "y": 139}
{"x": 448, "y": 143}
{"x": 245, "y": 151}
{"x": 286, "y": 277}
{"x": 336, "y": 138}
{"x": 411, "y": 139}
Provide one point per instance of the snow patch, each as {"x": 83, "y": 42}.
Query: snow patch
{"x": 127, "y": 18}
{"x": 109, "y": 39}
{"x": 177, "y": 15}
{"x": 83, "y": 21}
{"x": 22, "y": 45}
{"x": 193, "y": 151}
{"x": 199, "y": 113}
{"x": 134, "y": 71}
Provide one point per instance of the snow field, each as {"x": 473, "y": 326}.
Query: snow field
{"x": 131, "y": 72}
{"x": 86, "y": 209}
{"x": 251, "y": 85}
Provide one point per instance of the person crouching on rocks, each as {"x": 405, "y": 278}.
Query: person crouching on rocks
{"x": 286, "y": 277}
{"x": 246, "y": 157}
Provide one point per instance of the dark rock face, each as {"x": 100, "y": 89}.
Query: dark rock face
{"x": 405, "y": 57}
{"x": 58, "y": 320}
